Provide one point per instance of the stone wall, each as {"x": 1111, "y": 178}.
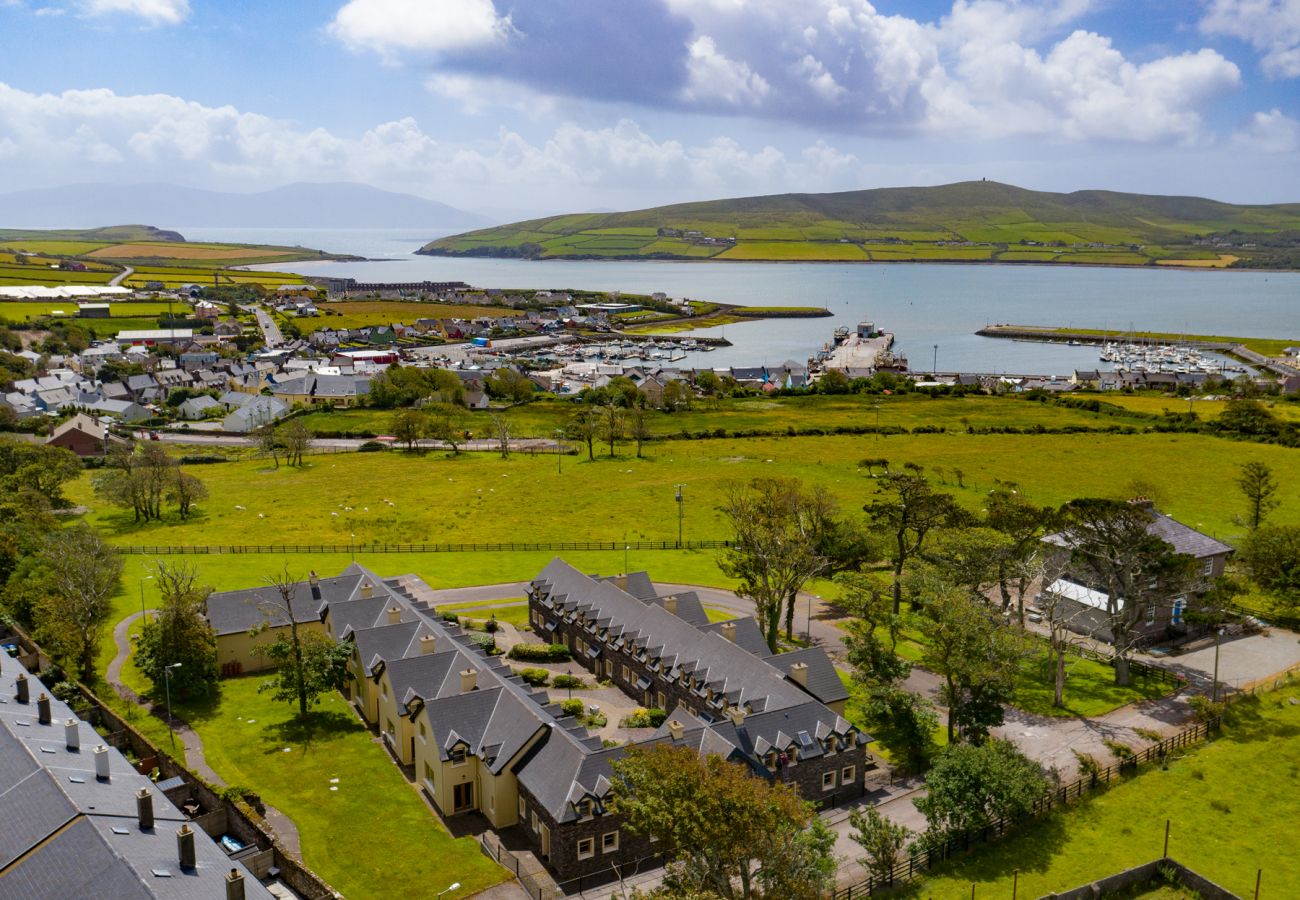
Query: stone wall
{"x": 563, "y": 860}
{"x": 1147, "y": 873}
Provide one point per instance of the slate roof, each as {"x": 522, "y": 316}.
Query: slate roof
{"x": 748, "y": 635}
{"x": 231, "y": 612}
{"x": 823, "y": 681}
{"x": 64, "y": 833}
{"x": 1183, "y": 538}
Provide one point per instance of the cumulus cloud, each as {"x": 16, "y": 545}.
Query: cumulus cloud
{"x": 155, "y": 12}
{"x": 1271, "y": 132}
{"x": 989, "y": 67}
{"x": 163, "y": 137}
{"x": 1270, "y": 26}
{"x": 393, "y": 26}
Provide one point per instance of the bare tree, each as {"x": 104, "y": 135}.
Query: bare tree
{"x": 501, "y": 431}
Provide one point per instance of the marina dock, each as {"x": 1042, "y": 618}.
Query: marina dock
{"x": 863, "y": 349}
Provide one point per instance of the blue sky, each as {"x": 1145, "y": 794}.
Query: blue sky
{"x": 540, "y": 106}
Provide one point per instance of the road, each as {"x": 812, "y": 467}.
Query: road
{"x": 122, "y": 276}
{"x": 270, "y": 331}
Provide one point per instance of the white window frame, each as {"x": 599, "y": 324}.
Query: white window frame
{"x": 591, "y": 848}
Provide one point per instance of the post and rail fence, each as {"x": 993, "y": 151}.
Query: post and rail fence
{"x": 383, "y": 547}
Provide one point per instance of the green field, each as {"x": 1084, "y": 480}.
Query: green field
{"x": 900, "y": 224}
{"x": 1232, "y": 807}
{"x": 366, "y": 313}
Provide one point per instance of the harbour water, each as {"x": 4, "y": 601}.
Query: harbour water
{"x": 933, "y": 309}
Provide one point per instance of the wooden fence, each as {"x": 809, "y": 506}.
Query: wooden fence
{"x": 378, "y": 547}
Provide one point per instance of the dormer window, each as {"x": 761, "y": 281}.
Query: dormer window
{"x": 458, "y": 755}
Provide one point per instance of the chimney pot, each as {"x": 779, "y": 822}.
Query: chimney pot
{"x": 43, "y": 708}
{"x": 23, "y": 695}
{"x": 72, "y": 734}
{"x": 394, "y": 615}
{"x": 468, "y": 679}
{"x": 144, "y": 808}
{"x": 313, "y": 578}
{"x": 235, "y": 885}
{"x": 729, "y": 631}
{"x": 799, "y": 672}
{"x": 185, "y": 846}
{"x": 101, "y": 762}
{"x": 737, "y": 714}
{"x": 670, "y": 604}
{"x": 367, "y": 591}
{"x": 428, "y": 644}
{"x": 676, "y": 729}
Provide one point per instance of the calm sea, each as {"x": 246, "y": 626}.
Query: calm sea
{"x": 933, "y": 310}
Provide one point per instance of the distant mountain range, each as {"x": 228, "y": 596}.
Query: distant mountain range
{"x": 973, "y": 221}
{"x": 300, "y": 205}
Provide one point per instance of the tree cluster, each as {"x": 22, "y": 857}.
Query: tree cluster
{"x": 142, "y": 478}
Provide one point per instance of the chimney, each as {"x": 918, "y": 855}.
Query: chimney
{"x": 670, "y": 604}
{"x": 676, "y": 729}
{"x": 23, "y": 695}
{"x": 620, "y": 582}
{"x": 428, "y": 644}
{"x": 313, "y": 578}
{"x": 737, "y": 714}
{"x": 468, "y": 679}
{"x": 43, "y": 708}
{"x": 235, "y": 885}
{"x": 72, "y": 734}
{"x": 394, "y": 615}
{"x": 799, "y": 672}
{"x": 101, "y": 762}
{"x": 729, "y": 631}
{"x": 144, "y": 808}
{"x": 185, "y": 847}
{"x": 367, "y": 591}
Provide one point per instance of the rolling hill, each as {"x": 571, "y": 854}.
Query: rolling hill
{"x": 976, "y": 221}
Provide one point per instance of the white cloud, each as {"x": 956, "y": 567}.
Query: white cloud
{"x": 712, "y": 76}
{"x": 57, "y": 138}
{"x": 155, "y": 12}
{"x": 1271, "y": 132}
{"x": 392, "y": 26}
{"x": 1270, "y": 26}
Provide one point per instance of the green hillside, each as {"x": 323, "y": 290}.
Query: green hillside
{"x": 977, "y": 221}
{"x": 110, "y": 234}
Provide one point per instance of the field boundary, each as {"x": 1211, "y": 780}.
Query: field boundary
{"x": 378, "y": 547}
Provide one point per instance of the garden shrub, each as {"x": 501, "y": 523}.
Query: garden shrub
{"x": 535, "y": 677}
{"x": 573, "y": 708}
{"x": 540, "y": 653}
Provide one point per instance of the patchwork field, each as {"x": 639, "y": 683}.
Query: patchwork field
{"x": 365, "y": 313}
{"x": 172, "y": 250}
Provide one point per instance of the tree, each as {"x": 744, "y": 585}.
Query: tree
{"x": 1258, "y": 486}
{"x": 1271, "y": 555}
{"x": 268, "y": 441}
{"x": 841, "y": 545}
{"x": 972, "y": 558}
{"x": 883, "y": 841}
{"x": 510, "y": 385}
{"x": 140, "y": 478}
{"x": 307, "y": 662}
{"x": 1111, "y": 547}
{"x": 1241, "y": 416}
{"x": 908, "y": 511}
{"x": 501, "y": 431}
{"x": 185, "y": 490}
{"x": 584, "y": 425}
{"x": 1023, "y": 523}
{"x": 638, "y": 427}
{"x": 409, "y": 426}
{"x": 977, "y": 658}
{"x": 677, "y": 395}
{"x": 447, "y": 424}
{"x": 970, "y": 787}
{"x": 611, "y": 424}
{"x": 296, "y": 440}
{"x": 730, "y": 834}
{"x": 84, "y": 573}
{"x": 771, "y": 557}
{"x": 180, "y": 633}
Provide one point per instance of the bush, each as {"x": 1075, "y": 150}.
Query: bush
{"x": 484, "y": 642}
{"x": 451, "y": 617}
{"x": 1203, "y": 708}
{"x": 535, "y": 677}
{"x": 491, "y": 625}
{"x": 573, "y": 708}
{"x": 644, "y": 718}
{"x": 540, "y": 653}
{"x": 371, "y": 447}
{"x": 568, "y": 681}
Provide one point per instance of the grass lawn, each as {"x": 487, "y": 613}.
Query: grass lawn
{"x": 1233, "y": 806}
{"x": 511, "y": 610}
{"x": 362, "y": 313}
{"x": 253, "y": 741}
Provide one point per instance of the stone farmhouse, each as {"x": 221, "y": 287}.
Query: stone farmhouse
{"x": 476, "y": 739}
{"x": 1085, "y": 604}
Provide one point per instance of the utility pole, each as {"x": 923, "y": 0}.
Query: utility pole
{"x": 1218, "y": 636}
{"x": 681, "y": 508}
{"x": 936, "y": 360}
{"x": 559, "y": 456}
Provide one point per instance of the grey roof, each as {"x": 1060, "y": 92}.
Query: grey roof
{"x": 748, "y": 635}
{"x": 1183, "y": 538}
{"x": 68, "y": 834}
{"x": 686, "y": 606}
{"x": 823, "y": 681}
{"x": 231, "y": 612}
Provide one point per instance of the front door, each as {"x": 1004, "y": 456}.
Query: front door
{"x": 546, "y": 842}
{"x": 462, "y": 797}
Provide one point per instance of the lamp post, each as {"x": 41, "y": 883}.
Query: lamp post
{"x": 143, "y": 615}
{"x": 1218, "y": 636}
{"x": 167, "y": 686}
{"x": 352, "y": 545}
{"x": 454, "y": 886}
{"x": 681, "y": 510}
{"x": 570, "y": 682}
{"x": 559, "y": 455}
{"x": 936, "y": 359}
{"x": 808, "y": 627}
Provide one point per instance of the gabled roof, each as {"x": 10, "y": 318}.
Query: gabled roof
{"x": 1183, "y": 538}
{"x": 823, "y": 682}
